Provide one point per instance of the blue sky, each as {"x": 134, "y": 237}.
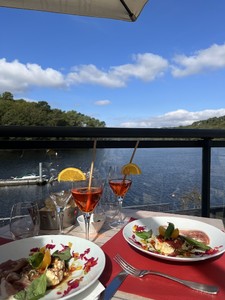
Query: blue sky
{"x": 165, "y": 69}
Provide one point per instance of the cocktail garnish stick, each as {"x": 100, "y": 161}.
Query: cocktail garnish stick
{"x": 132, "y": 156}
{"x": 135, "y": 148}
{"x": 92, "y": 163}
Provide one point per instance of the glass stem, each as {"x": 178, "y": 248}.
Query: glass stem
{"x": 87, "y": 217}
{"x": 60, "y": 220}
{"x": 120, "y": 200}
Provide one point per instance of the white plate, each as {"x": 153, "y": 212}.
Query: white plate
{"x": 21, "y": 248}
{"x": 216, "y": 236}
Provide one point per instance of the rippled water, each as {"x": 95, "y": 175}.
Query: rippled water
{"x": 170, "y": 177}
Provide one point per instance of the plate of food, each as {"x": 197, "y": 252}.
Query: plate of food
{"x": 49, "y": 267}
{"x": 175, "y": 238}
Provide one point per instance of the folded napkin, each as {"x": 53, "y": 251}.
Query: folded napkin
{"x": 211, "y": 271}
{"x": 92, "y": 293}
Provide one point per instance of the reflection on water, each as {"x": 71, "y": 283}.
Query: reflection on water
{"x": 170, "y": 179}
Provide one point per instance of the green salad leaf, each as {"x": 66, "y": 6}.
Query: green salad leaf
{"x": 35, "y": 290}
{"x": 144, "y": 234}
{"x": 63, "y": 255}
{"x": 35, "y": 259}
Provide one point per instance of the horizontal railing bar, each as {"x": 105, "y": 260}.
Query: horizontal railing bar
{"x": 69, "y": 144}
{"x": 107, "y": 132}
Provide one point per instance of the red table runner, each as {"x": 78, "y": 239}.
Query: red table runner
{"x": 211, "y": 271}
{"x": 4, "y": 241}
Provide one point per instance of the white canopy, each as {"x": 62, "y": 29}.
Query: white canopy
{"x": 126, "y": 10}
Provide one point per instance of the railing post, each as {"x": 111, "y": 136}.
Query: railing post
{"x": 206, "y": 174}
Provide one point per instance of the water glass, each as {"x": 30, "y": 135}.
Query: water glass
{"x": 109, "y": 205}
{"x": 24, "y": 220}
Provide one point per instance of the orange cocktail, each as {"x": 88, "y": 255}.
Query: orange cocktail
{"x": 86, "y": 195}
{"x": 87, "y": 198}
{"x": 120, "y": 186}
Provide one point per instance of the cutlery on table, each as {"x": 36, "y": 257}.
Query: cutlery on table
{"x": 205, "y": 288}
{"x": 111, "y": 289}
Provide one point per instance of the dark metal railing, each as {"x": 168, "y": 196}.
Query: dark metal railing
{"x": 32, "y": 137}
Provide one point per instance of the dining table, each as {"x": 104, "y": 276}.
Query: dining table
{"x": 111, "y": 241}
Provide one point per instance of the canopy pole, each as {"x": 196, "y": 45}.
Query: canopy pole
{"x": 131, "y": 15}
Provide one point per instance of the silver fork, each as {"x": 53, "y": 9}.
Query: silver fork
{"x": 205, "y": 288}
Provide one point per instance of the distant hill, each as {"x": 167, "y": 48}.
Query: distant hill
{"x": 211, "y": 123}
{"x": 23, "y": 113}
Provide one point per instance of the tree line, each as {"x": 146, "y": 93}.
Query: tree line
{"x": 23, "y": 113}
{"x": 211, "y": 123}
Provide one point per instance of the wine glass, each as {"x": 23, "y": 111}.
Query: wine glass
{"x": 120, "y": 185}
{"x": 110, "y": 205}
{"x": 60, "y": 195}
{"x": 86, "y": 197}
{"x": 24, "y": 220}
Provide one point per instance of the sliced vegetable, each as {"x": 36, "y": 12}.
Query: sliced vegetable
{"x": 197, "y": 244}
{"x": 175, "y": 233}
{"x": 162, "y": 230}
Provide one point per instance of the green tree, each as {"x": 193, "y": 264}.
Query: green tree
{"x": 23, "y": 113}
{"x": 7, "y": 96}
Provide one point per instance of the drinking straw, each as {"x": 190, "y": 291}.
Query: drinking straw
{"x": 92, "y": 164}
{"x": 132, "y": 156}
{"x": 135, "y": 148}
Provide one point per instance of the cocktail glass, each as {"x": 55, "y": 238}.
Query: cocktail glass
{"x": 86, "y": 197}
{"x": 120, "y": 185}
{"x": 60, "y": 195}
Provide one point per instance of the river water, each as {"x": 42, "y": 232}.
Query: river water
{"x": 170, "y": 179}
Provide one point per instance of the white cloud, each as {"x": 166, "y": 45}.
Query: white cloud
{"x": 90, "y": 74}
{"x": 102, "y": 102}
{"x": 175, "y": 118}
{"x": 203, "y": 60}
{"x": 146, "y": 67}
{"x": 16, "y": 77}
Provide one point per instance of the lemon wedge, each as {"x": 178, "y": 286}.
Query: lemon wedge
{"x": 71, "y": 174}
{"x": 131, "y": 169}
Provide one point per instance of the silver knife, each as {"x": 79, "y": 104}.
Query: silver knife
{"x": 113, "y": 286}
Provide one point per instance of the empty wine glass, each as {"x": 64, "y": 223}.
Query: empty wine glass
{"x": 24, "y": 220}
{"x": 60, "y": 195}
{"x": 109, "y": 205}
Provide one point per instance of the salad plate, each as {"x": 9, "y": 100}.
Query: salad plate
{"x": 215, "y": 236}
{"x": 86, "y": 249}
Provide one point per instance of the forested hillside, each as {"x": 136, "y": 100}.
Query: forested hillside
{"x": 212, "y": 123}
{"x": 24, "y": 113}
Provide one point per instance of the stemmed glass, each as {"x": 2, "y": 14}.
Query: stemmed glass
{"x": 60, "y": 195}
{"x": 86, "y": 197}
{"x": 24, "y": 220}
{"x": 120, "y": 185}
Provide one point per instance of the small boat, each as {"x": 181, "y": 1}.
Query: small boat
{"x": 31, "y": 176}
